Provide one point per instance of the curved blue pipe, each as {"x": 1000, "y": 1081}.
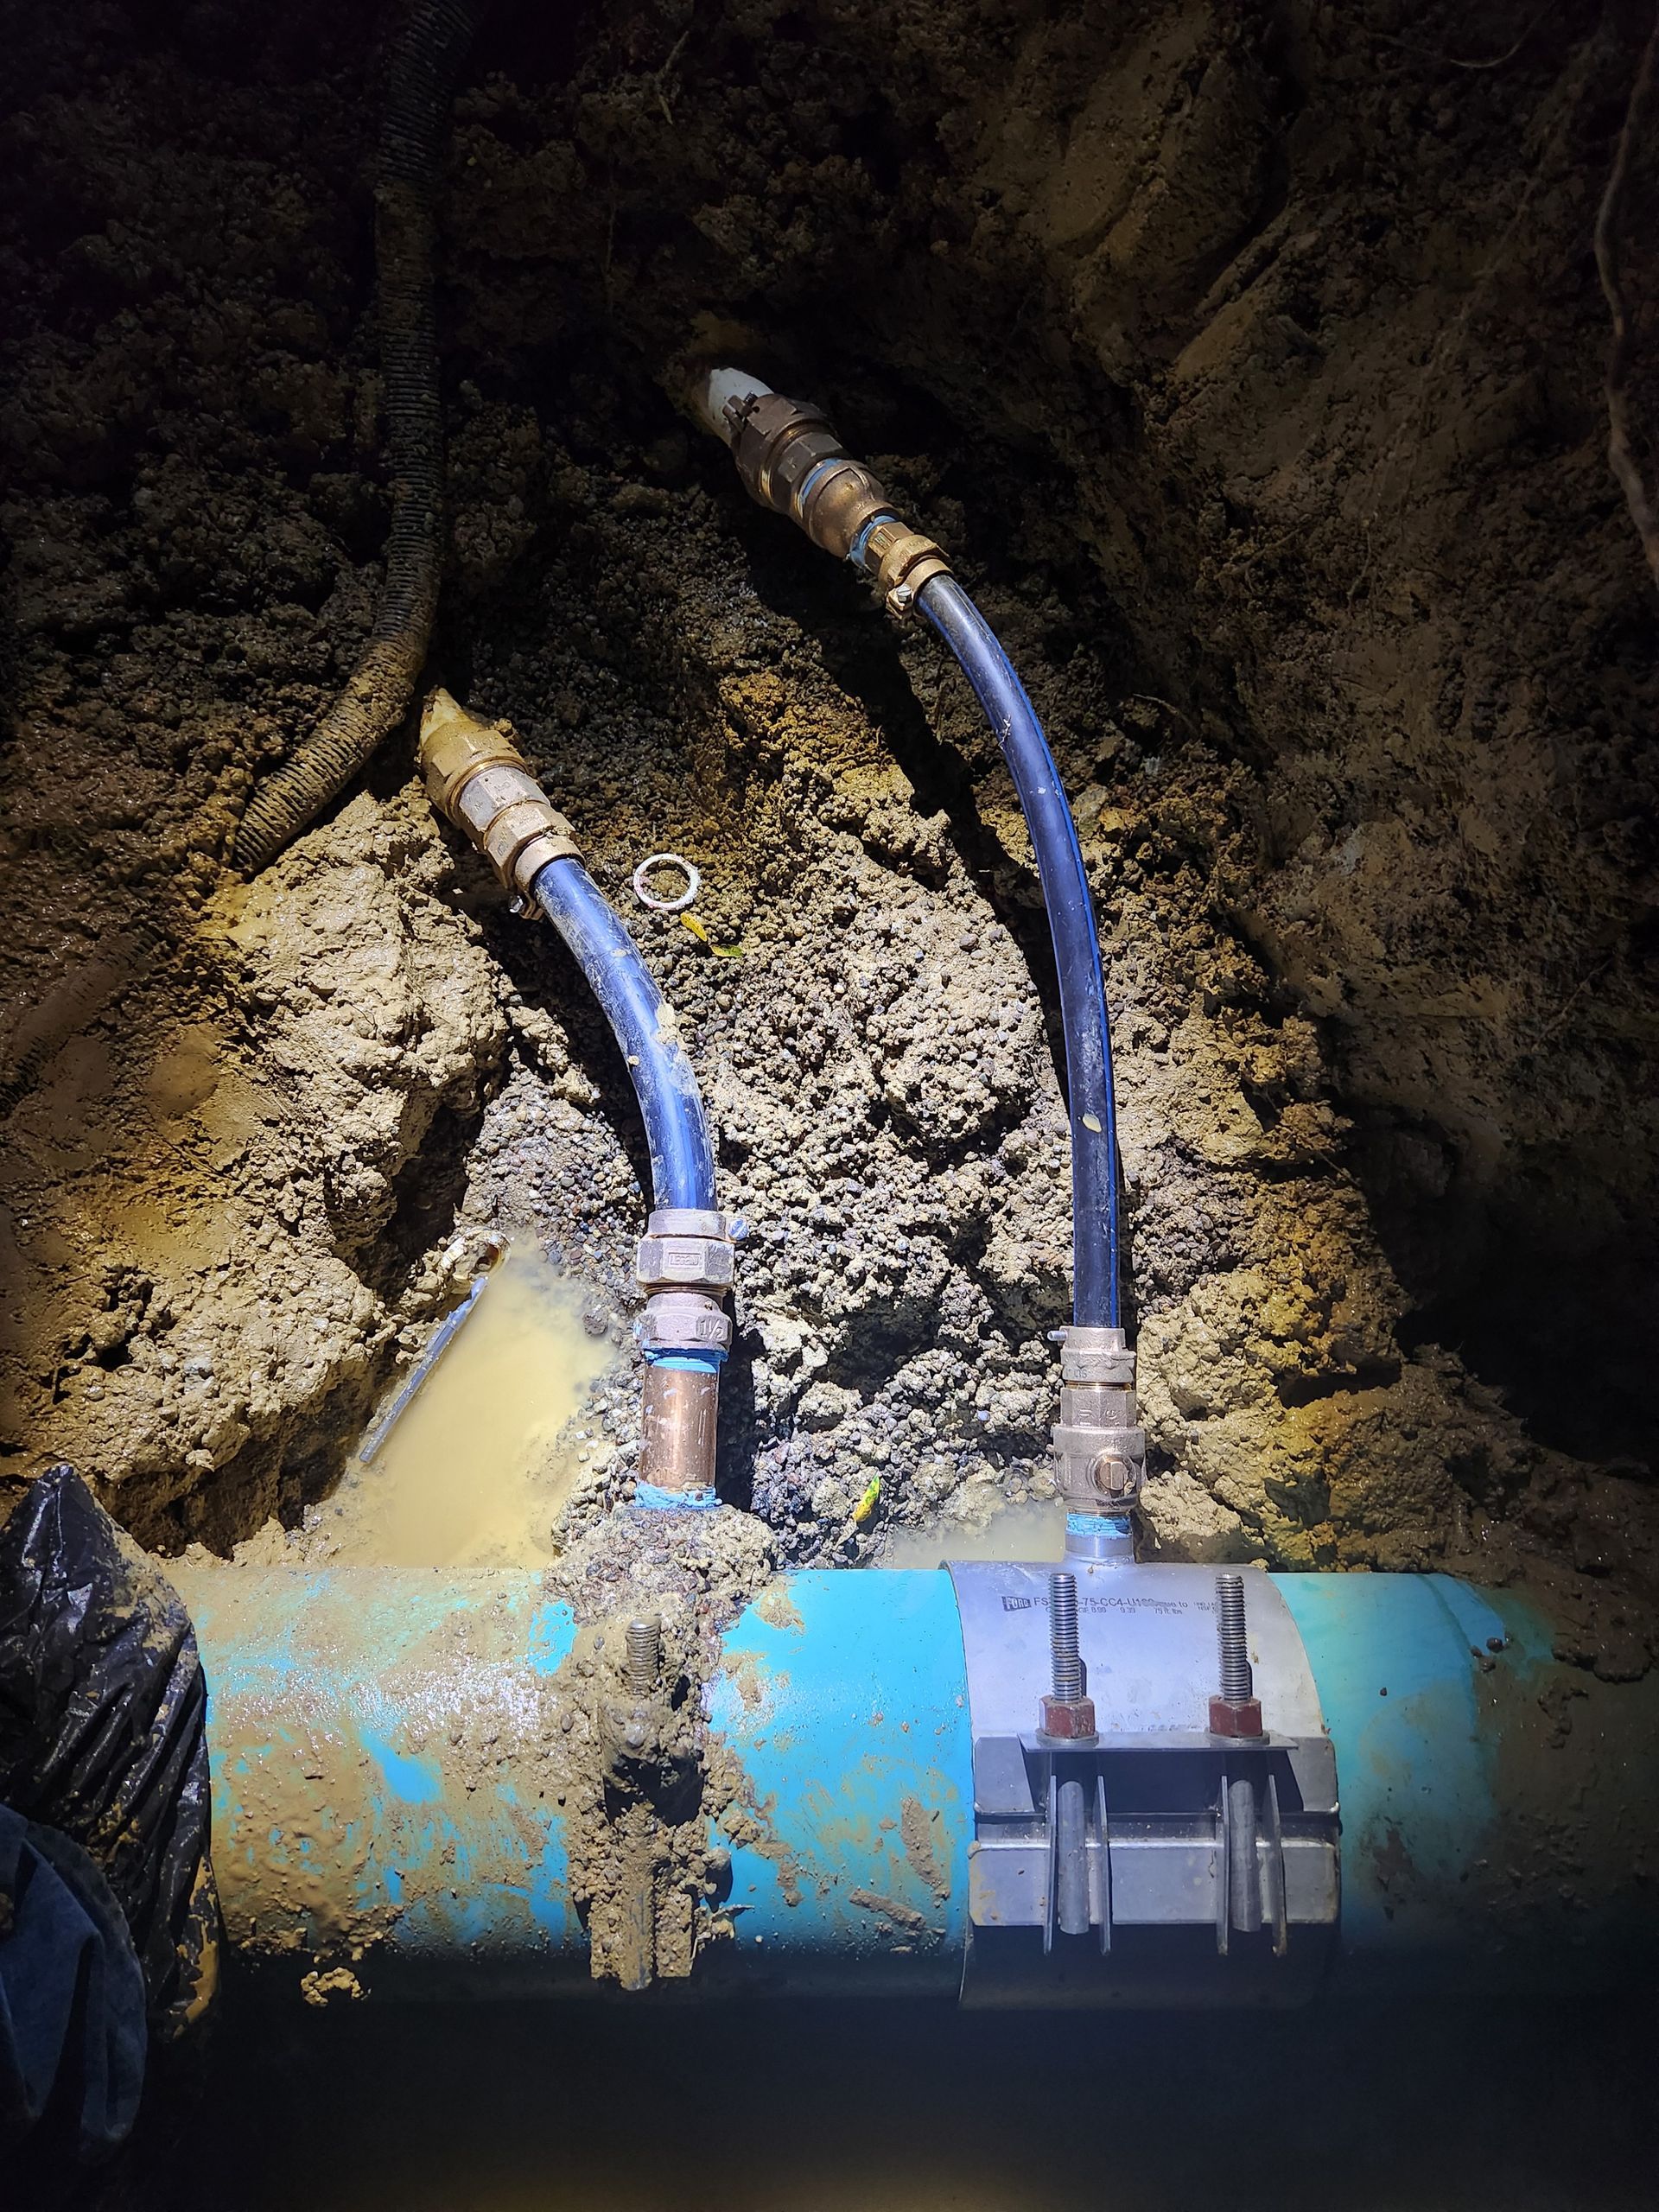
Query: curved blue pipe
{"x": 676, "y": 1128}
{"x": 1095, "y": 1301}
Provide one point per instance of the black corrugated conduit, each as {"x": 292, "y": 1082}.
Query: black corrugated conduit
{"x": 425, "y": 65}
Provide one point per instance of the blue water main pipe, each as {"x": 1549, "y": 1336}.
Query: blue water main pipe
{"x": 380, "y": 1746}
{"x": 676, "y": 1128}
{"x": 1096, "y": 1302}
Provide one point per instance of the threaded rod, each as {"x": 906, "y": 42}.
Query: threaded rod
{"x": 1237, "y": 1683}
{"x": 644, "y": 1655}
{"x": 1063, "y": 1636}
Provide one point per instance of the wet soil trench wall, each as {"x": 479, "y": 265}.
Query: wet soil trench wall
{"x": 1252, "y": 366}
{"x": 1250, "y": 363}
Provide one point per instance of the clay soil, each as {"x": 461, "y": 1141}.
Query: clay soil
{"x": 1250, "y": 364}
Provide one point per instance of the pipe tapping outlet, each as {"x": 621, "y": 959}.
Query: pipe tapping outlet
{"x": 685, "y": 1261}
{"x": 1099, "y": 1447}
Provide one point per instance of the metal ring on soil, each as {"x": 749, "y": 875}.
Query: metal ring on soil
{"x": 693, "y": 882}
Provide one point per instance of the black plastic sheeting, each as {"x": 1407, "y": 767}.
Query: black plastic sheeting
{"x": 102, "y": 1711}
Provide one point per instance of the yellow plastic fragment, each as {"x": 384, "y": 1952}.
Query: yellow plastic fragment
{"x": 700, "y": 930}
{"x": 866, "y": 1505}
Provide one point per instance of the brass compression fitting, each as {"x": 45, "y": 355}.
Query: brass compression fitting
{"x": 477, "y": 776}
{"x": 685, "y": 1265}
{"x": 792, "y": 462}
{"x": 1099, "y": 1449}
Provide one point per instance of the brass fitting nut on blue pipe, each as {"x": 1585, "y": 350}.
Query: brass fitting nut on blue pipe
{"x": 477, "y": 777}
{"x": 685, "y": 1247}
{"x": 792, "y": 462}
{"x": 902, "y": 561}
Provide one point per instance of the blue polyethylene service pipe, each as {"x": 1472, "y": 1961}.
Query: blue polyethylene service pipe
{"x": 676, "y": 1128}
{"x": 1095, "y": 1299}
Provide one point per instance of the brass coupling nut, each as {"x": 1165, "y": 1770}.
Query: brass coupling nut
{"x": 683, "y": 1249}
{"x": 791, "y": 461}
{"x": 1095, "y": 1355}
{"x": 477, "y": 777}
{"x": 684, "y": 1321}
{"x": 776, "y": 443}
{"x": 902, "y": 561}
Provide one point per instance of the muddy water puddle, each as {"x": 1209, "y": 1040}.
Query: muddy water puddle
{"x": 473, "y": 1469}
{"x": 1031, "y": 1530}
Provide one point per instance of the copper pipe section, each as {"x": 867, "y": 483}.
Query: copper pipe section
{"x": 677, "y": 1446}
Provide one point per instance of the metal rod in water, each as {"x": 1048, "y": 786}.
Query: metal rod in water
{"x": 437, "y": 1344}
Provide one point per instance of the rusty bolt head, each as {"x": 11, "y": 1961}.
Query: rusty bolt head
{"x": 1242, "y": 1719}
{"x": 1073, "y": 1717}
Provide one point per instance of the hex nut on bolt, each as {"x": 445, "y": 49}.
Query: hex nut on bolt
{"x": 1237, "y": 1710}
{"x": 1068, "y": 1717}
{"x": 1242, "y": 1719}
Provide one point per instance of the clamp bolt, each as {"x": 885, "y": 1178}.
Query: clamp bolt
{"x": 643, "y": 1640}
{"x": 1068, "y": 1712}
{"x": 1237, "y": 1710}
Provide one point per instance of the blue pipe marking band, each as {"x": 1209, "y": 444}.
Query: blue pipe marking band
{"x": 707, "y": 1359}
{"x": 655, "y": 1499}
{"x": 856, "y": 556}
{"x": 1097, "y": 1524}
{"x": 804, "y": 489}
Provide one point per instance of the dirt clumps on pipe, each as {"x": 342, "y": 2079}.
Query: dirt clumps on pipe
{"x": 644, "y": 1873}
